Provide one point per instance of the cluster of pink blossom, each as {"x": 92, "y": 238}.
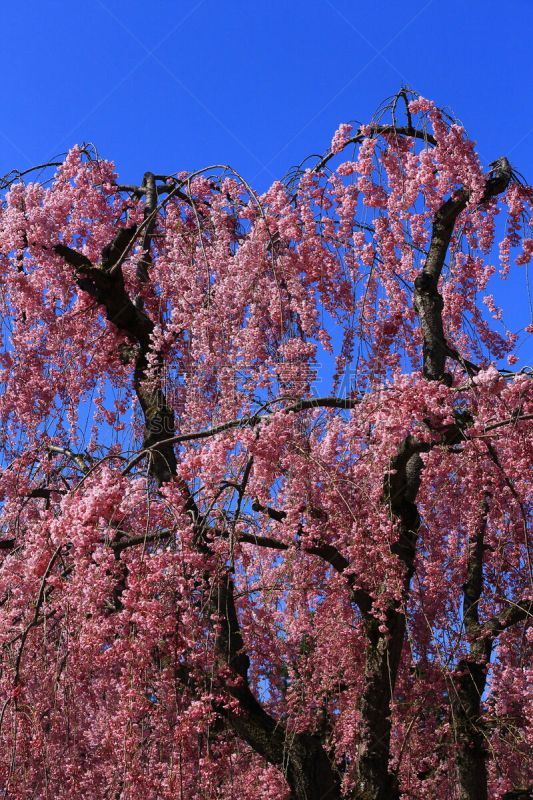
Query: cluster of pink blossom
{"x": 113, "y": 682}
{"x": 340, "y": 137}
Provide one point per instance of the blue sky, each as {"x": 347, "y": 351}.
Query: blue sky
{"x": 178, "y": 84}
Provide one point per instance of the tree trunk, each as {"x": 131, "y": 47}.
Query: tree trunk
{"x": 374, "y": 781}
{"x": 471, "y": 750}
{"x": 384, "y": 649}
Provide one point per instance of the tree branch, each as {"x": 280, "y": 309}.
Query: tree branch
{"x": 107, "y": 288}
{"x": 377, "y": 130}
{"x": 327, "y": 552}
{"x": 247, "y": 422}
{"x": 7, "y": 544}
{"x": 513, "y": 614}
{"x": 77, "y": 458}
{"x": 428, "y": 301}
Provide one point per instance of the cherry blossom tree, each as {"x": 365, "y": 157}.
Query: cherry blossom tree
{"x": 266, "y": 477}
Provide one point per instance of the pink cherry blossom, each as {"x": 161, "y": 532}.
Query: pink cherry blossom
{"x": 266, "y": 480}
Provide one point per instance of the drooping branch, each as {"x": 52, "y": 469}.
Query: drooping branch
{"x": 41, "y": 598}
{"x": 380, "y": 130}
{"x": 253, "y": 724}
{"x": 250, "y": 421}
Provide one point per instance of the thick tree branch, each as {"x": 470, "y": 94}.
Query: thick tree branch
{"x": 473, "y": 585}
{"x": 41, "y": 598}
{"x": 150, "y": 207}
{"x": 308, "y": 769}
{"x": 470, "y": 676}
{"x": 429, "y": 305}
{"x": 107, "y": 287}
{"x": 428, "y": 300}
{"x": 7, "y": 544}
{"x": 512, "y": 615}
{"x": 114, "y": 250}
{"x": 327, "y": 552}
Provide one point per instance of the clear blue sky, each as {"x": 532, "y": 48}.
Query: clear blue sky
{"x": 166, "y": 85}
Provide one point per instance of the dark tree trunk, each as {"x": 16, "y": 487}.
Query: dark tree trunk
{"x": 384, "y": 650}
{"x": 374, "y": 781}
{"x": 471, "y": 752}
{"x": 470, "y": 678}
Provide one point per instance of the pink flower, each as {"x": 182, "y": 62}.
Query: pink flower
{"x": 340, "y": 137}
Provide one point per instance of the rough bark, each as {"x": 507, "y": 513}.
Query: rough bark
{"x": 470, "y": 676}
{"x": 428, "y": 300}
{"x": 383, "y": 654}
{"x": 105, "y": 284}
{"x": 470, "y": 679}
